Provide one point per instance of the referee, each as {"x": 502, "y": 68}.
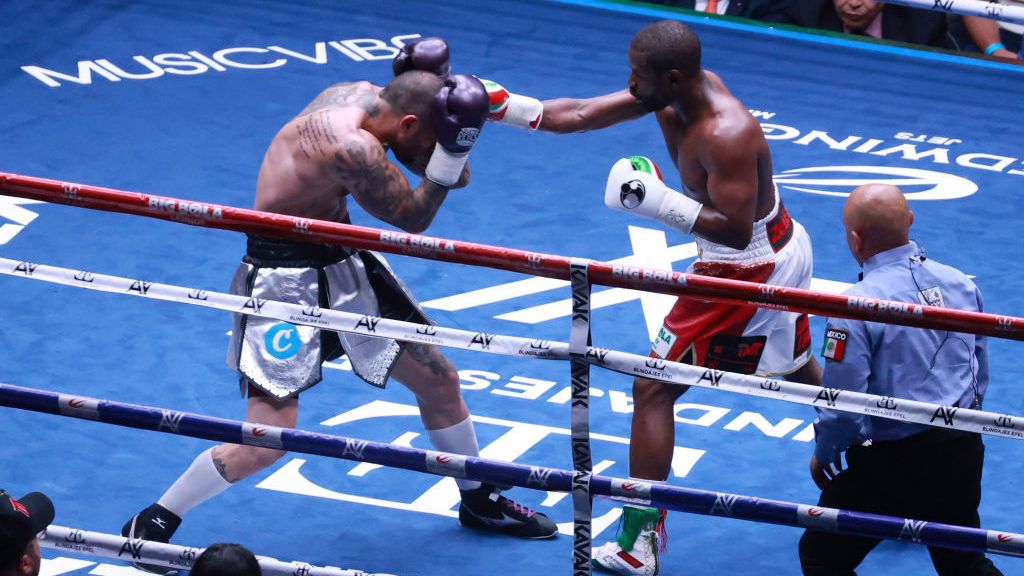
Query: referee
{"x": 897, "y": 469}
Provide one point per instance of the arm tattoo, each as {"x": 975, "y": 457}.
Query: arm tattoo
{"x": 380, "y": 187}
{"x": 431, "y": 357}
{"x": 363, "y": 169}
{"x": 345, "y": 96}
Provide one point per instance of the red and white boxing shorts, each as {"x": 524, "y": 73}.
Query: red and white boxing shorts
{"x": 743, "y": 338}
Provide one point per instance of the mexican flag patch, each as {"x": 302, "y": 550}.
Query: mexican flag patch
{"x": 835, "y": 344}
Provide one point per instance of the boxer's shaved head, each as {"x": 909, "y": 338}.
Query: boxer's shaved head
{"x": 668, "y": 45}
{"x": 412, "y": 92}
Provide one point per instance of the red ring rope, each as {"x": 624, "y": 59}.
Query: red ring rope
{"x": 537, "y": 264}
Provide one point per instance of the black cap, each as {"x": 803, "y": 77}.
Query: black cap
{"x": 20, "y": 521}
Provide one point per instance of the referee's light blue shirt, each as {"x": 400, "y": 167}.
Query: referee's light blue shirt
{"x": 946, "y": 368}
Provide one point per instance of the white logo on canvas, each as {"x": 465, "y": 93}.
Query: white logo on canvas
{"x": 841, "y": 180}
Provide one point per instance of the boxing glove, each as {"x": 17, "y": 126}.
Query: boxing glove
{"x": 514, "y": 109}
{"x": 427, "y": 54}
{"x": 635, "y": 185}
{"x": 459, "y": 111}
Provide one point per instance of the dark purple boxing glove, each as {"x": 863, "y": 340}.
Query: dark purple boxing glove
{"x": 427, "y": 54}
{"x": 459, "y": 111}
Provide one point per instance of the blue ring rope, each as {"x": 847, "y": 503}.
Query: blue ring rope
{"x": 688, "y": 500}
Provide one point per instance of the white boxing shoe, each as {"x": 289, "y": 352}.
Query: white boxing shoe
{"x": 635, "y": 552}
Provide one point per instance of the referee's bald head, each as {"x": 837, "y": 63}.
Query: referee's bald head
{"x": 877, "y": 218}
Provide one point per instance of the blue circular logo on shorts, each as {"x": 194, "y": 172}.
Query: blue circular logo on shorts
{"x": 282, "y": 341}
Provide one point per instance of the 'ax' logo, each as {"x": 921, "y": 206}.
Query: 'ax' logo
{"x": 133, "y": 547}
{"x": 26, "y": 268}
{"x": 140, "y": 286}
{"x": 84, "y": 276}
{"x": 255, "y": 305}
{"x": 354, "y": 448}
{"x": 912, "y": 529}
{"x": 947, "y": 413}
{"x": 712, "y": 377}
{"x": 368, "y": 323}
{"x": 170, "y": 420}
{"x": 597, "y": 354}
{"x": 829, "y": 396}
{"x": 724, "y": 503}
{"x": 483, "y": 340}
{"x": 539, "y": 476}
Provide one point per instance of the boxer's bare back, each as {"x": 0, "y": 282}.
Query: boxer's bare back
{"x": 337, "y": 147}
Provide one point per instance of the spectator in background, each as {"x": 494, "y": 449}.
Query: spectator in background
{"x": 769, "y": 10}
{"x": 994, "y": 37}
{"x": 20, "y": 522}
{"x": 871, "y": 18}
{"x": 225, "y": 559}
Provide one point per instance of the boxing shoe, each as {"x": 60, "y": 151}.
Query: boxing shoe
{"x": 486, "y": 509}
{"x": 156, "y": 524}
{"x": 635, "y": 551}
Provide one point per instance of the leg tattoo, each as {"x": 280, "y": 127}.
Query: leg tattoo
{"x": 431, "y": 357}
{"x": 222, "y": 469}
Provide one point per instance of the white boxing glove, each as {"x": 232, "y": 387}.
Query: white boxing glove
{"x": 634, "y": 185}
{"x": 508, "y": 108}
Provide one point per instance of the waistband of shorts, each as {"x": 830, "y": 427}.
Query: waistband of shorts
{"x": 277, "y": 253}
{"x": 770, "y": 235}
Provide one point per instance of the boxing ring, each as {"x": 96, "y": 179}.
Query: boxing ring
{"x": 582, "y": 483}
{"x": 158, "y": 365}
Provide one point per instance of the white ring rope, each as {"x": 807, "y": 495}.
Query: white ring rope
{"x": 170, "y": 555}
{"x": 991, "y": 10}
{"x": 909, "y": 411}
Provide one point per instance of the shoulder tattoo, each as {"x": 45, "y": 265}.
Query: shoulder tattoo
{"x": 348, "y": 95}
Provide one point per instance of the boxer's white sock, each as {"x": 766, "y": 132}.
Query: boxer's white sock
{"x": 458, "y": 439}
{"x": 198, "y": 484}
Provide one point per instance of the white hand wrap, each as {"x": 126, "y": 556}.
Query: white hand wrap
{"x": 445, "y": 168}
{"x": 523, "y": 111}
{"x": 643, "y": 193}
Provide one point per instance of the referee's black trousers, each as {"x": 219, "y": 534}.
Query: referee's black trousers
{"x": 934, "y": 476}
